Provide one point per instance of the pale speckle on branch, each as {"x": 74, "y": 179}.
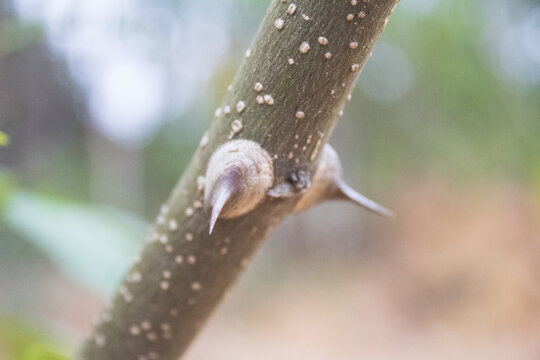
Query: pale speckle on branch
{"x": 236, "y": 126}
{"x": 291, "y": 9}
{"x": 304, "y": 48}
{"x": 268, "y": 99}
{"x": 191, "y": 259}
{"x": 240, "y": 106}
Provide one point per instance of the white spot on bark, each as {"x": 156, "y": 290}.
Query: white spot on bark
{"x": 353, "y": 45}
{"x": 189, "y": 236}
{"x": 167, "y": 274}
{"x": 136, "y": 277}
{"x": 227, "y": 109}
{"x": 258, "y": 86}
{"x": 328, "y": 55}
{"x": 290, "y": 61}
{"x": 100, "y": 340}
{"x": 163, "y": 239}
{"x": 218, "y": 112}
{"x": 173, "y": 225}
{"x": 322, "y": 40}
{"x": 196, "y": 286}
{"x": 179, "y": 259}
{"x": 291, "y": 9}
{"x": 279, "y": 24}
{"x": 260, "y": 99}
{"x": 248, "y": 53}
{"x": 240, "y": 106}
{"x": 200, "y": 182}
{"x": 362, "y": 14}
{"x": 236, "y": 126}
{"x": 304, "y": 48}
{"x": 268, "y": 99}
{"x": 164, "y": 285}
{"x": 135, "y": 330}
{"x": 305, "y": 17}
{"x": 146, "y": 325}
{"x": 189, "y": 211}
{"x": 299, "y": 114}
{"x": 355, "y": 67}
{"x": 204, "y": 141}
{"x": 191, "y": 259}
{"x": 350, "y": 17}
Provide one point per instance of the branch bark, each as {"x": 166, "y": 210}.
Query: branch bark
{"x": 287, "y": 97}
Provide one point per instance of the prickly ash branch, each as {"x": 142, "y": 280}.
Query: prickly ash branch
{"x": 275, "y": 122}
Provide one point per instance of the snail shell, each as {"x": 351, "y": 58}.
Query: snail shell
{"x": 238, "y": 175}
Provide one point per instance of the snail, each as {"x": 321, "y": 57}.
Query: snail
{"x": 238, "y": 175}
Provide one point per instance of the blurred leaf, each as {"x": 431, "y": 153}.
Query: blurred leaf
{"x": 21, "y": 341}
{"x": 4, "y": 139}
{"x": 7, "y": 184}
{"x": 15, "y": 36}
{"x": 93, "y": 245}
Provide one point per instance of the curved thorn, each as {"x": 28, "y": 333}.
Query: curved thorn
{"x": 218, "y": 202}
{"x": 345, "y": 192}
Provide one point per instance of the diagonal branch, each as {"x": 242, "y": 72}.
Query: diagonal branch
{"x": 287, "y": 97}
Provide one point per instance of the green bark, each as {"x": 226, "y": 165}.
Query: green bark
{"x": 182, "y": 272}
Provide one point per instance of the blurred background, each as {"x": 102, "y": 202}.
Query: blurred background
{"x": 102, "y": 104}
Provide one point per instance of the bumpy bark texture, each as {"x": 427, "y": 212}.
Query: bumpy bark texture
{"x": 306, "y": 65}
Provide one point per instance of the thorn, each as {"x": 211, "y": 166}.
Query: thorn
{"x": 218, "y": 202}
{"x": 345, "y": 192}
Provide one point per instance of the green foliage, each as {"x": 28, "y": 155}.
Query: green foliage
{"x": 22, "y": 341}
{"x": 15, "y": 36}
{"x": 4, "y": 139}
{"x": 92, "y": 245}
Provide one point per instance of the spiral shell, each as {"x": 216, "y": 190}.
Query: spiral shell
{"x": 238, "y": 175}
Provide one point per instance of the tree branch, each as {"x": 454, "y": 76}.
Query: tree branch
{"x": 287, "y": 97}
